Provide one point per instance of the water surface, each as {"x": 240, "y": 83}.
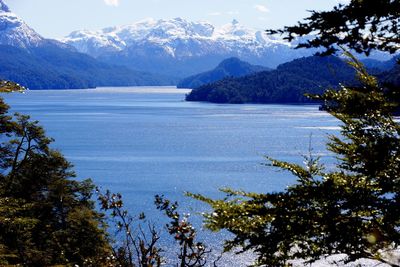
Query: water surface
{"x": 148, "y": 140}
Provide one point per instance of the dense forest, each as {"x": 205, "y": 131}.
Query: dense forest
{"x": 287, "y": 84}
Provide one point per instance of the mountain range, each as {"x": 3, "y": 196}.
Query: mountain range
{"x": 181, "y": 48}
{"x": 39, "y": 63}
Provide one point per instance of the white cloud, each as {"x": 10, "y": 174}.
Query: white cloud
{"x": 261, "y": 8}
{"x": 112, "y": 2}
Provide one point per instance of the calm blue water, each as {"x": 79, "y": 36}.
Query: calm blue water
{"x": 146, "y": 141}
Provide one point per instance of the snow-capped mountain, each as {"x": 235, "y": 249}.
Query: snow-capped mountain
{"x": 170, "y": 34}
{"x": 181, "y": 47}
{"x": 15, "y": 32}
{"x": 39, "y": 63}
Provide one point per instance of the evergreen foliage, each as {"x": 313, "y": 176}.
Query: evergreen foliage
{"x": 353, "y": 209}
{"x": 361, "y": 25}
{"x": 47, "y": 218}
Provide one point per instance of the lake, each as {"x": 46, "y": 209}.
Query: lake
{"x": 147, "y": 140}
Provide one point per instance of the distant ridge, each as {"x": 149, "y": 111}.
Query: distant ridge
{"x": 231, "y": 67}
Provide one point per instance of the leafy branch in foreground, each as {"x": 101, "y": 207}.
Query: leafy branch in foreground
{"x": 353, "y": 209}
{"x": 362, "y": 25}
{"x": 192, "y": 253}
{"x": 134, "y": 245}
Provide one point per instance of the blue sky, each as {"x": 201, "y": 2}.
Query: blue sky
{"x": 57, "y": 18}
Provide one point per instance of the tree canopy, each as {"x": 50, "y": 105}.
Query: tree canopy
{"x": 46, "y": 217}
{"x": 362, "y": 25}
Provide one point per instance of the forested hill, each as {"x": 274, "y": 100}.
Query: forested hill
{"x": 287, "y": 84}
{"x": 231, "y": 67}
{"x": 50, "y": 67}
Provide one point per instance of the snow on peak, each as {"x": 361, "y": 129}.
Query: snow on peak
{"x": 94, "y": 42}
{"x": 167, "y": 30}
{"x": 177, "y": 37}
{"x": 158, "y": 31}
{"x": 164, "y": 29}
{"x": 180, "y": 28}
{"x": 4, "y": 7}
{"x": 235, "y": 30}
{"x": 14, "y": 31}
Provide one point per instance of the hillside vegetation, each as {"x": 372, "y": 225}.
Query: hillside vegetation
{"x": 287, "y": 84}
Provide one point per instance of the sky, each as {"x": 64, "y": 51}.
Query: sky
{"x": 58, "y": 18}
